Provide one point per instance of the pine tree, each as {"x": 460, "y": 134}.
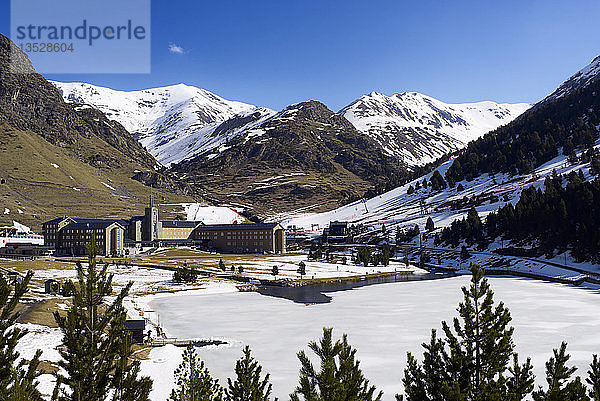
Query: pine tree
{"x": 482, "y": 342}
{"x": 427, "y": 382}
{"x": 429, "y": 225}
{"x": 93, "y": 342}
{"x": 248, "y": 384}
{"x": 339, "y": 377}
{"x": 520, "y": 383}
{"x": 595, "y": 165}
{"x": 437, "y": 181}
{"x": 471, "y": 362}
{"x": 364, "y": 256}
{"x": 464, "y": 253}
{"x": 193, "y": 381}
{"x": 386, "y": 254}
{"x": 126, "y": 384}
{"x": 17, "y": 382}
{"x": 558, "y": 377}
{"x": 593, "y": 379}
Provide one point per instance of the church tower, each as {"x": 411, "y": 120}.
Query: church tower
{"x": 150, "y": 220}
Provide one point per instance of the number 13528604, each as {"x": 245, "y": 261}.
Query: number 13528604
{"x": 33, "y": 47}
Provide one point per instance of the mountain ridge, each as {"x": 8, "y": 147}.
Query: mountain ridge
{"x": 59, "y": 158}
{"x": 177, "y": 132}
{"x": 305, "y": 155}
{"x": 172, "y": 122}
{"x": 564, "y": 121}
{"x": 418, "y": 128}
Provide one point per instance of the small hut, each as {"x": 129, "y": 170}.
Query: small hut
{"x": 136, "y": 328}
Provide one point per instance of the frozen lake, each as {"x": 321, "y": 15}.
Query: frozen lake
{"x": 382, "y": 321}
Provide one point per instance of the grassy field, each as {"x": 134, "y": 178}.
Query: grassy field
{"x": 40, "y": 181}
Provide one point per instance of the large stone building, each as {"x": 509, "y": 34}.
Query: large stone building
{"x": 69, "y": 235}
{"x": 73, "y": 235}
{"x": 242, "y": 238}
{"x": 152, "y": 229}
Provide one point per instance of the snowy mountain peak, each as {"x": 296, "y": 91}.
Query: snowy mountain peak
{"x": 173, "y": 122}
{"x": 418, "y": 128}
{"x": 582, "y": 78}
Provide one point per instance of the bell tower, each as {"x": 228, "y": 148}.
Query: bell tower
{"x": 151, "y": 220}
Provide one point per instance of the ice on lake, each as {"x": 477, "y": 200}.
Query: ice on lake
{"x": 382, "y": 321}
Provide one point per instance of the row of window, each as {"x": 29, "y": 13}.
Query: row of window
{"x": 222, "y": 233}
{"x": 244, "y": 243}
{"x": 99, "y": 237}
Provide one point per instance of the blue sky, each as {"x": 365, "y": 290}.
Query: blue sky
{"x": 273, "y": 53}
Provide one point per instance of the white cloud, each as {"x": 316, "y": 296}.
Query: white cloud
{"x": 176, "y": 49}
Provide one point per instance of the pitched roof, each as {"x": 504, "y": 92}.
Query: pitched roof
{"x": 91, "y": 224}
{"x": 56, "y": 220}
{"x": 134, "y": 324}
{"x": 245, "y": 226}
{"x": 179, "y": 223}
{"x": 82, "y": 222}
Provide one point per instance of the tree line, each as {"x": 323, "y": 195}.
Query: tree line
{"x": 562, "y": 216}
{"x": 569, "y": 122}
{"x": 474, "y": 358}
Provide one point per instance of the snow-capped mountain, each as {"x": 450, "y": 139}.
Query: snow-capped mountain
{"x": 304, "y": 156}
{"x": 581, "y": 79}
{"x": 174, "y": 122}
{"x": 179, "y": 122}
{"x": 418, "y": 129}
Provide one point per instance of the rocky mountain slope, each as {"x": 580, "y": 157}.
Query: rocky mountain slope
{"x": 305, "y": 156}
{"x": 173, "y": 122}
{"x": 59, "y": 158}
{"x": 418, "y": 129}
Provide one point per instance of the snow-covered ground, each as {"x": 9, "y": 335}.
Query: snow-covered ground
{"x": 211, "y": 214}
{"x": 398, "y": 209}
{"x": 261, "y": 266}
{"x": 382, "y": 321}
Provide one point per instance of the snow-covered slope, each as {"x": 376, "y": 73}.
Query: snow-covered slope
{"x": 398, "y": 208}
{"x": 582, "y": 78}
{"x": 173, "y": 122}
{"x": 419, "y": 128}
